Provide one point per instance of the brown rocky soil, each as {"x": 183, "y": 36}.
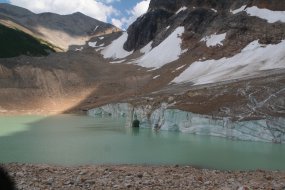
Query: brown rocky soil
{"x": 78, "y": 81}
{"x": 38, "y": 177}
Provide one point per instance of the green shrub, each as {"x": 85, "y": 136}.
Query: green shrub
{"x": 15, "y": 42}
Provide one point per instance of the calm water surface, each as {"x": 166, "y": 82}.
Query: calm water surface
{"x": 80, "y": 140}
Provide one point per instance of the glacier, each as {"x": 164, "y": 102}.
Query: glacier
{"x": 270, "y": 129}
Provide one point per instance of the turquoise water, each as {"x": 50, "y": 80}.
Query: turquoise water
{"x": 80, "y": 140}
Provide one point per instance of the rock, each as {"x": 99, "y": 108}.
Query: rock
{"x": 207, "y": 183}
{"x": 139, "y": 175}
{"x": 268, "y": 177}
{"x": 128, "y": 177}
{"x": 243, "y": 188}
{"x": 116, "y": 186}
{"x": 146, "y": 182}
{"x": 78, "y": 179}
{"x": 145, "y": 174}
{"x": 68, "y": 183}
{"x": 90, "y": 181}
{"x": 200, "y": 178}
{"x": 128, "y": 185}
{"x": 83, "y": 172}
{"x": 231, "y": 180}
{"x": 49, "y": 181}
{"x": 19, "y": 174}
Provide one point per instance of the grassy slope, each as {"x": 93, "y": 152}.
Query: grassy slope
{"x": 14, "y": 43}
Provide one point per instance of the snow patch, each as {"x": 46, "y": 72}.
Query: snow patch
{"x": 184, "y": 51}
{"x": 79, "y": 49}
{"x": 214, "y": 39}
{"x": 95, "y": 28}
{"x": 99, "y": 49}
{"x": 155, "y": 77}
{"x": 253, "y": 58}
{"x": 146, "y": 48}
{"x": 115, "y": 50}
{"x": 181, "y": 9}
{"x": 120, "y": 61}
{"x": 101, "y": 38}
{"x": 238, "y": 10}
{"x": 92, "y": 44}
{"x": 214, "y": 10}
{"x": 167, "y": 51}
{"x": 167, "y": 27}
{"x": 269, "y": 15}
{"x": 178, "y": 68}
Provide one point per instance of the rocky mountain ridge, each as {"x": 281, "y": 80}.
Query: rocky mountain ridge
{"x": 174, "y": 5}
{"x": 63, "y": 31}
{"x": 202, "y": 18}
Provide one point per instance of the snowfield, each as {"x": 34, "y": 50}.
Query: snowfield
{"x": 167, "y": 51}
{"x": 270, "y": 16}
{"x": 146, "y": 48}
{"x": 253, "y": 58}
{"x": 115, "y": 50}
{"x": 214, "y": 40}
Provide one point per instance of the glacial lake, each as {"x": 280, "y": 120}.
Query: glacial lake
{"x": 81, "y": 140}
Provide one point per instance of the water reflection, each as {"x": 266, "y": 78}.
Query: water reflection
{"x": 135, "y": 131}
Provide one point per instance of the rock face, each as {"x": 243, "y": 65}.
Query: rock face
{"x": 174, "y": 5}
{"x": 202, "y": 18}
{"x": 60, "y": 30}
{"x": 145, "y": 29}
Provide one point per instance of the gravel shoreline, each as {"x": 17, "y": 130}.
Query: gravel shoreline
{"x": 48, "y": 177}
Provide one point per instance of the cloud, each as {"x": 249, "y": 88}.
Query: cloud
{"x": 109, "y": 1}
{"x": 92, "y": 8}
{"x": 117, "y": 22}
{"x": 138, "y": 10}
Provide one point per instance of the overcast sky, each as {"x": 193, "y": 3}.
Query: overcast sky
{"x": 118, "y": 12}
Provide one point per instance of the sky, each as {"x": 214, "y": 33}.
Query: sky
{"x": 121, "y": 13}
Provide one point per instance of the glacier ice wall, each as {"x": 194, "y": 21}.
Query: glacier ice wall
{"x": 267, "y": 130}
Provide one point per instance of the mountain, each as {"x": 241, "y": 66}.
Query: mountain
{"x": 201, "y": 44}
{"x": 62, "y": 31}
{"x": 222, "y": 59}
